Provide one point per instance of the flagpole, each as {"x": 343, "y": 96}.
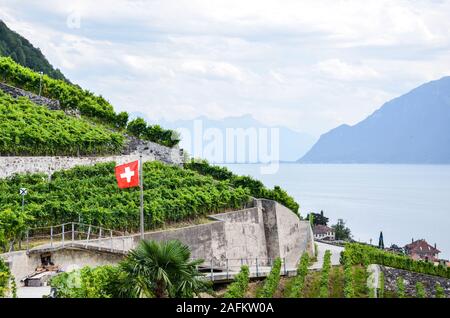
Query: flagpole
{"x": 141, "y": 186}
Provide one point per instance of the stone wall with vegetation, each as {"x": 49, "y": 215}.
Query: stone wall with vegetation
{"x": 411, "y": 279}
{"x": 49, "y": 164}
{"x": 15, "y": 92}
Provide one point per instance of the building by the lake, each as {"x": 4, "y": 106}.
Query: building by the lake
{"x": 323, "y": 232}
{"x": 421, "y": 250}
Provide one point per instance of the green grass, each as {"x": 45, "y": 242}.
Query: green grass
{"x": 312, "y": 285}
{"x": 337, "y": 282}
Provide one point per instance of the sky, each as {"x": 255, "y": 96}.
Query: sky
{"x": 306, "y": 65}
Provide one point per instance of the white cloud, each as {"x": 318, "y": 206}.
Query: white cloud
{"x": 310, "y": 65}
{"x": 213, "y": 70}
{"x": 340, "y": 70}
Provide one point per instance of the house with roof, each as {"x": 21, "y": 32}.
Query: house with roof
{"x": 421, "y": 250}
{"x": 323, "y": 232}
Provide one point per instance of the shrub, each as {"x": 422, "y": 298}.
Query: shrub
{"x": 98, "y": 282}
{"x": 381, "y": 284}
{"x": 271, "y": 282}
{"x": 360, "y": 277}
{"x": 5, "y": 277}
{"x": 299, "y": 280}
{"x": 439, "y": 291}
{"x": 364, "y": 255}
{"x": 349, "y": 291}
{"x": 137, "y": 127}
{"x": 420, "y": 290}
{"x": 13, "y": 287}
{"x": 240, "y": 285}
{"x": 401, "y": 291}
{"x": 324, "y": 288}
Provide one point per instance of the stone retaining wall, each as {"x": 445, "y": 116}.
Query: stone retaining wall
{"x": 15, "y": 92}
{"x": 41, "y": 164}
{"x": 411, "y": 279}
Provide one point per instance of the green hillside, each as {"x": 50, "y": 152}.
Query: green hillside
{"x": 94, "y": 109}
{"x": 70, "y": 96}
{"x": 23, "y": 52}
{"x": 90, "y": 194}
{"x": 29, "y": 129}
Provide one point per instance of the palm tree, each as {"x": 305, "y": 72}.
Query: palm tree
{"x": 162, "y": 270}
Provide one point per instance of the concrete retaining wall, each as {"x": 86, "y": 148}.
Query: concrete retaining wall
{"x": 21, "y": 264}
{"x": 68, "y": 260}
{"x": 244, "y": 234}
{"x": 264, "y": 232}
{"x": 286, "y": 235}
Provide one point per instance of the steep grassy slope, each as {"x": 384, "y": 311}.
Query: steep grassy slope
{"x": 23, "y": 52}
{"x": 70, "y": 96}
{"x": 29, "y": 129}
{"x": 90, "y": 194}
{"x": 95, "y": 108}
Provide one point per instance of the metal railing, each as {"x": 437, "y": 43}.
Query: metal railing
{"x": 74, "y": 232}
{"x": 226, "y": 269}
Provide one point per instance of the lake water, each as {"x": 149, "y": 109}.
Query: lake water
{"x": 403, "y": 201}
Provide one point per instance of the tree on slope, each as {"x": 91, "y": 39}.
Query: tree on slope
{"x": 342, "y": 232}
{"x": 12, "y": 226}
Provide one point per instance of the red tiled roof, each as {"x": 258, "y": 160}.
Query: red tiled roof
{"x": 421, "y": 247}
{"x": 322, "y": 229}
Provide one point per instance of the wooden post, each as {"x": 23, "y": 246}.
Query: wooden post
{"x": 227, "y": 268}
{"x": 28, "y": 240}
{"x": 141, "y": 186}
{"x": 62, "y": 239}
{"x": 88, "y": 235}
{"x": 211, "y": 269}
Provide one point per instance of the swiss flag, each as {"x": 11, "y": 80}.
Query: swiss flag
{"x": 127, "y": 175}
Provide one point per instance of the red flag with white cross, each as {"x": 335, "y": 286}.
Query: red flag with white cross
{"x": 127, "y": 175}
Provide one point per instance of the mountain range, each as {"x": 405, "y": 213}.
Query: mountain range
{"x": 413, "y": 128}
{"x": 292, "y": 144}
